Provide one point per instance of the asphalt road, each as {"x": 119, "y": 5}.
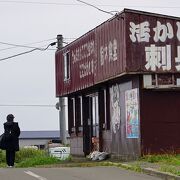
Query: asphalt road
{"x": 90, "y": 173}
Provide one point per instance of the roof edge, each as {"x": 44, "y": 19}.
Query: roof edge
{"x": 127, "y": 10}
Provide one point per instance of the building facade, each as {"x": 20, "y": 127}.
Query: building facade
{"x": 122, "y": 80}
{"x": 40, "y": 139}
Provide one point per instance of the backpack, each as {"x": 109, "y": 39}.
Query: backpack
{"x": 2, "y": 142}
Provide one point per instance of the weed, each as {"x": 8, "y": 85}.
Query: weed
{"x": 39, "y": 160}
{"x": 169, "y": 159}
{"x": 2, "y": 156}
{"x": 29, "y": 158}
{"x": 170, "y": 169}
{"x": 26, "y": 153}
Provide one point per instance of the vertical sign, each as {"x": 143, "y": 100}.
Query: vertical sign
{"x": 132, "y": 113}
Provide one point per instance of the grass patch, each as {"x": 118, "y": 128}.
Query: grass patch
{"x": 29, "y": 158}
{"x": 170, "y": 169}
{"x": 2, "y": 157}
{"x": 168, "y": 159}
{"x": 25, "y": 154}
{"x": 39, "y": 160}
{"x": 166, "y": 162}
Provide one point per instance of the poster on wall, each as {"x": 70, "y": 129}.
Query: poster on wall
{"x": 115, "y": 107}
{"x": 132, "y": 113}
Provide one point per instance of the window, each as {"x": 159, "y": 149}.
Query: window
{"x": 70, "y": 116}
{"x": 78, "y": 111}
{"x": 81, "y": 110}
{"x": 66, "y": 66}
{"x": 74, "y": 113}
{"x": 105, "y": 109}
{"x": 95, "y": 116}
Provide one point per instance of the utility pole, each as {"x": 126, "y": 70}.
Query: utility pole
{"x": 62, "y": 102}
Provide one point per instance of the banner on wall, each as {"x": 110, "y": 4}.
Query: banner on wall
{"x": 132, "y": 113}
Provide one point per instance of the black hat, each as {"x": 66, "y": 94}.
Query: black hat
{"x": 10, "y": 117}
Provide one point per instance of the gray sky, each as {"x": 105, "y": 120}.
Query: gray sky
{"x": 30, "y": 79}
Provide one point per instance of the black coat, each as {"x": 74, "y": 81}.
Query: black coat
{"x": 12, "y": 143}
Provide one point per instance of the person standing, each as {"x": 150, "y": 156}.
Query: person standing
{"x": 11, "y": 134}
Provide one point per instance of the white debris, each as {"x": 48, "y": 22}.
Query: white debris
{"x": 96, "y": 155}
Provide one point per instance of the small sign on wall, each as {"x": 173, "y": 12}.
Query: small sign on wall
{"x": 132, "y": 113}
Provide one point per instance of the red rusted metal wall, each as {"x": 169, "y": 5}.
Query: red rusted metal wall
{"x": 160, "y": 123}
{"x": 95, "y": 57}
{"x": 110, "y": 42}
{"x": 152, "y": 42}
{"x": 82, "y": 54}
{"x": 132, "y": 42}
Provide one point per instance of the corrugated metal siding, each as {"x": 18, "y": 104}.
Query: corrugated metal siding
{"x": 160, "y": 122}
{"x": 106, "y": 45}
{"x": 114, "y": 52}
{"x": 82, "y": 62}
{"x": 136, "y": 54}
{"x": 82, "y": 65}
{"x": 121, "y": 145}
{"x": 110, "y": 41}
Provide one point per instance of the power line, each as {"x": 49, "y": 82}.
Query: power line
{"x": 70, "y": 38}
{"x": 101, "y": 5}
{"x": 40, "y": 49}
{"x": 27, "y": 105}
{"x": 26, "y": 45}
{"x": 17, "y": 46}
{"x": 41, "y": 3}
{"x": 108, "y": 12}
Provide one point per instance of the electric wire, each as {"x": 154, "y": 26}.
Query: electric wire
{"x": 19, "y": 54}
{"x": 41, "y": 3}
{"x": 107, "y": 12}
{"x": 73, "y": 4}
{"x": 26, "y": 45}
{"x": 34, "y": 48}
{"x": 27, "y": 105}
{"x": 17, "y": 45}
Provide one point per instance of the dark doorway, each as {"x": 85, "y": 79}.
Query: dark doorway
{"x": 90, "y": 123}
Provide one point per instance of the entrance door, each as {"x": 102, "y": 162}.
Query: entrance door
{"x": 94, "y": 123}
{"x": 90, "y": 124}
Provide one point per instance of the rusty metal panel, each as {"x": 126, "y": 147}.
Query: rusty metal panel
{"x": 160, "y": 113}
{"x": 62, "y": 87}
{"x": 82, "y": 66}
{"x": 132, "y": 42}
{"x": 152, "y": 42}
{"x": 82, "y": 62}
{"x": 110, "y": 42}
{"x": 122, "y": 145}
{"x": 95, "y": 57}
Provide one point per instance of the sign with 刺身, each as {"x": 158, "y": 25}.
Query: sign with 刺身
{"x": 158, "y": 56}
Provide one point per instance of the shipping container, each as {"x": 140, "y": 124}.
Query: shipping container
{"x": 122, "y": 80}
{"x": 130, "y": 42}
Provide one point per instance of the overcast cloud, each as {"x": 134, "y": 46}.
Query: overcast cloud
{"x": 30, "y": 79}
